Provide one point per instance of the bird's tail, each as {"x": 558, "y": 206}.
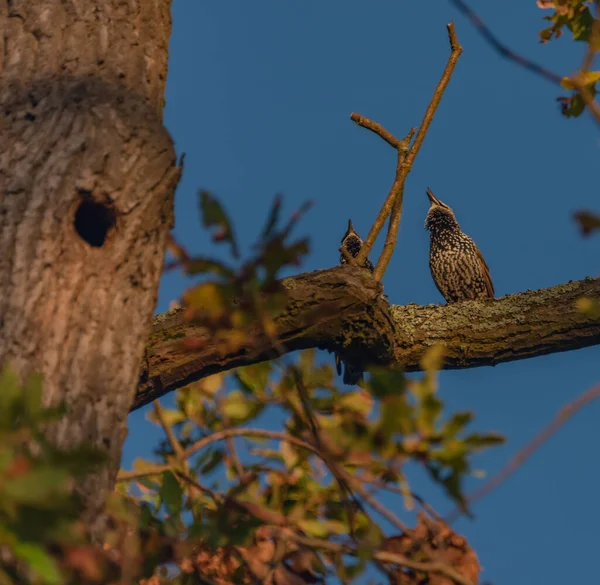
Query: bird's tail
{"x": 352, "y": 374}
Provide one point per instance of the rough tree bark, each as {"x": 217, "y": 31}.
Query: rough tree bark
{"x": 87, "y": 176}
{"x": 342, "y": 310}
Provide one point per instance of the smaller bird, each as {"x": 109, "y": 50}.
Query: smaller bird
{"x": 352, "y": 243}
{"x": 457, "y": 266}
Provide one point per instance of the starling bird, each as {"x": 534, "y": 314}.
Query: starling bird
{"x": 352, "y": 243}
{"x": 457, "y": 266}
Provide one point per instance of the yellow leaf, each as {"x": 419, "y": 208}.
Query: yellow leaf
{"x": 290, "y": 457}
{"x": 207, "y": 297}
{"x": 587, "y": 78}
{"x": 360, "y": 402}
{"x": 212, "y": 384}
{"x": 567, "y": 83}
{"x": 433, "y": 358}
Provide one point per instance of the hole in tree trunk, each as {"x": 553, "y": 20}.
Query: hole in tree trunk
{"x": 93, "y": 221}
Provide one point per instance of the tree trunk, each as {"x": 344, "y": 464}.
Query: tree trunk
{"x": 87, "y": 176}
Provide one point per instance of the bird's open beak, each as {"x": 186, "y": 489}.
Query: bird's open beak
{"x": 433, "y": 200}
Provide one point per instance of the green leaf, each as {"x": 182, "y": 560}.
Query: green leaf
{"x": 457, "y": 423}
{"x": 199, "y": 265}
{"x": 385, "y": 382}
{"x": 360, "y": 402}
{"x": 32, "y": 397}
{"x": 589, "y": 306}
{"x": 588, "y": 222}
{"x": 572, "y": 106}
{"x": 432, "y": 360}
{"x": 479, "y": 441}
{"x": 214, "y": 216}
{"x": 211, "y": 298}
{"x": 254, "y": 378}
{"x": 429, "y": 411}
{"x": 581, "y": 25}
{"x": 38, "y": 486}
{"x": 288, "y": 454}
{"x": 238, "y": 408}
{"x": 171, "y": 417}
{"x": 10, "y": 391}
{"x": 171, "y": 493}
{"x": 313, "y": 527}
{"x": 40, "y": 562}
{"x": 214, "y": 460}
{"x": 397, "y": 416}
{"x": 273, "y": 217}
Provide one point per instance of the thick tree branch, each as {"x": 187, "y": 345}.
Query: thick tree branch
{"x": 342, "y": 310}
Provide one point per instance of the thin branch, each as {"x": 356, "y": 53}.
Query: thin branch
{"x": 511, "y": 55}
{"x": 501, "y": 48}
{"x": 230, "y": 441}
{"x": 561, "y": 418}
{"x": 372, "y": 501}
{"x": 377, "y": 129}
{"x": 379, "y": 484}
{"x": 393, "y": 202}
{"x": 350, "y": 259}
{"x": 382, "y": 556}
{"x": 195, "y": 483}
{"x": 388, "y": 204}
{"x": 213, "y": 438}
{"x": 175, "y": 444}
{"x": 396, "y": 212}
{"x": 125, "y": 475}
{"x": 244, "y": 432}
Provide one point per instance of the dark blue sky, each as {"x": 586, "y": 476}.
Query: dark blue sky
{"x": 259, "y": 96}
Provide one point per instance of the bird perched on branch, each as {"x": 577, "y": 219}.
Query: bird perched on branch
{"x": 352, "y": 243}
{"x": 457, "y": 266}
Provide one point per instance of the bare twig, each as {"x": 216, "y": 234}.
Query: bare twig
{"x": 350, "y": 259}
{"x": 393, "y": 202}
{"x": 148, "y": 472}
{"x": 396, "y": 213}
{"x": 383, "y": 485}
{"x": 374, "y": 503}
{"x": 563, "y": 415}
{"x": 244, "y": 432}
{"x": 195, "y": 483}
{"x": 377, "y": 129}
{"x": 213, "y": 438}
{"x": 173, "y": 441}
{"x": 501, "y": 48}
{"x": 237, "y": 462}
{"x": 504, "y": 51}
